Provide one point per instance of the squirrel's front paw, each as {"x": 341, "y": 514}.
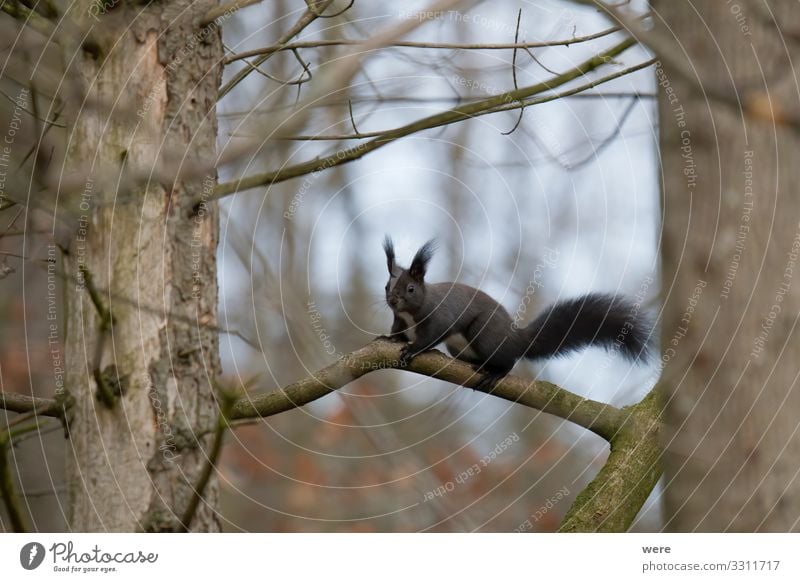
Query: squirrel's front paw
{"x": 405, "y": 357}
{"x": 390, "y": 338}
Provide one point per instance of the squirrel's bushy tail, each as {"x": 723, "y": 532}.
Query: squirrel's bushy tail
{"x": 592, "y": 320}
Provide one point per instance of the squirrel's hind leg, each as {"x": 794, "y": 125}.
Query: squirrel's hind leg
{"x": 489, "y": 379}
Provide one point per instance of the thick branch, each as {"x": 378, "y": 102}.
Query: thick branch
{"x": 22, "y": 403}
{"x": 602, "y": 419}
{"x": 453, "y": 115}
{"x": 612, "y": 500}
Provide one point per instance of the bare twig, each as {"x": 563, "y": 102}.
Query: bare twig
{"x": 105, "y": 392}
{"x": 514, "y": 76}
{"x": 319, "y": 13}
{"x": 8, "y": 490}
{"x": 226, "y": 403}
{"x": 596, "y": 151}
{"x": 353, "y": 121}
{"x": 501, "y": 102}
{"x": 304, "y": 76}
{"x": 225, "y": 9}
{"x": 426, "y": 45}
{"x": 305, "y": 19}
{"x": 31, "y": 113}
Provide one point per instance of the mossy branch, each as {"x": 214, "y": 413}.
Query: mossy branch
{"x": 21, "y": 403}
{"x": 609, "y": 503}
{"x": 612, "y": 500}
{"x": 602, "y": 419}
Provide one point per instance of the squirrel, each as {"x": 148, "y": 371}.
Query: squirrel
{"x": 478, "y": 330}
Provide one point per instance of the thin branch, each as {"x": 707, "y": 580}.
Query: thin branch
{"x": 303, "y": 64}
{"x": 17, "y": 433}
{"x": 425, "y": 45}
{"x": 57, "y": 490}
{"x": 8, "y": 490}
{"x": 116, "y": 297}
{"x": 225, "y": 10}
{"x": 597, "y": 150}
{"x": 602, "y": 419}
{"x": 32, "y": 114}
{"x": 514, "y": 76}
{"x": 525, "y": 103}
{"x": 22, "y": 418}
{"x": 319, "y": 14}
{"x": 105, "y": 392}
{"x": 305, "y": 19}
{"x": 353, "y": 121}
{"x": 45, "y": 427}
{"x": 501, "y": 102}
{"x": 221, "y": 428}
{"x": 94, "y": 295}
{"x": 424, "y": 100}
{"x": 29, "y": 18}
{"x": 22, "y": 403}
{"x": 299, "y": 81}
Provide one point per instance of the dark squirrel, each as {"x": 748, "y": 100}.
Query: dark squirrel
{"x": 478, "y": 330}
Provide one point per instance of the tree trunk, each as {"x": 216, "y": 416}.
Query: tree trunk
{"x": 141, "y": 340}
{"x": 730, "y": 247}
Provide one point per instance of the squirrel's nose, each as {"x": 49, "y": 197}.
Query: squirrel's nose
{"x": 392, "y": 300}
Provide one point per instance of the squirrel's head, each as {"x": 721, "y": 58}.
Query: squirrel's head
{"x": 405, "y": 290}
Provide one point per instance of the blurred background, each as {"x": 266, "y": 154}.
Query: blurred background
{"x": 559, "y": 202}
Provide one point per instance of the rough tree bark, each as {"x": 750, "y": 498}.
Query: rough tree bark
{"x": 730, "y": 243}
{"x": 141, "y": 348}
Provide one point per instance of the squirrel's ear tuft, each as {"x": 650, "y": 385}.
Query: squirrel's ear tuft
{"x": 388, "y": 248}
{"x": 420, "y": 263}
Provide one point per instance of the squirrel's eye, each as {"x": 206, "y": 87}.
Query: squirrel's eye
{"x": 411, "y": 288}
